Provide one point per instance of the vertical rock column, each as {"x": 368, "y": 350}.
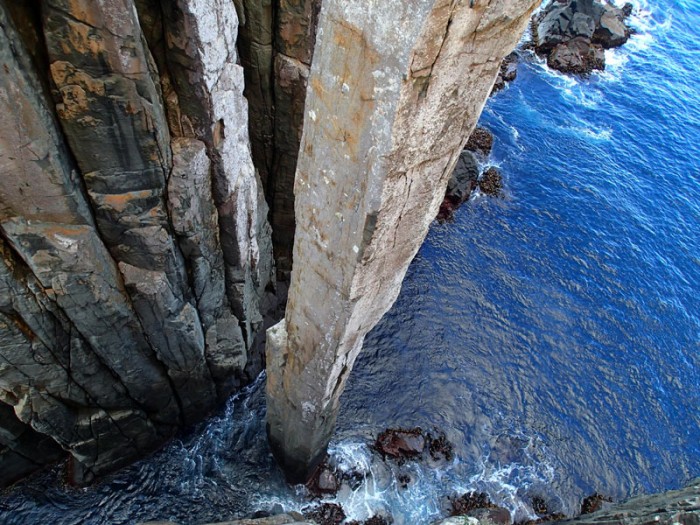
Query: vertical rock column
{"x": 277, "y": 43}
{"x": 295, "y": 36}
{"x": 200, "y": 37}
{"x": 395, "y": 89}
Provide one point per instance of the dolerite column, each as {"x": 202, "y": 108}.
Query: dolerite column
{"x": 394, "y": 91}
{"x": 112, "y": 114}
{"x": 75, "y": 363}
{"x": 200, "y": 41}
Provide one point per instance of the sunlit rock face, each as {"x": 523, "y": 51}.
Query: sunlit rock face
{"x": 394, "y": 92}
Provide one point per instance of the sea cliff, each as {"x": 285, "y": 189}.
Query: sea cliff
{"x": 149, "y": 149}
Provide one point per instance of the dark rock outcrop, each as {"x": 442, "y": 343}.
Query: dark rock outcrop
{"x": 400, "y": 443}
{"x": 480, "y": 141}
{"x": 324, "y": 481}
{"x": 374, "y": 520}
{"x": 507, "y": 73}
{"x": 593, "y": 503}
{"x": 574, "y": 33}
{"x": 469, "y": 501}
{"x": 491, "y": 182}
{"x": 325, "y": 514}
{"x": 462, "y": 183}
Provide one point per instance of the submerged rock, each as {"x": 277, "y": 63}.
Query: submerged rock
{"x": 469, "y": 501}
{"x": 507, "y": 72}
{"x": 491, "y": 182}
{"x": 574, "y": 33}
{"x": 539, "y": 505}
{"x": 325, "y": 514}
{"x": 401, "y": 444}
{"x": 439, "y": 447}
{"x": 480, "y": 141}
{"x": 593, "y": 503}
{"x": 476, "y": 508}
{"x": 374, "y": 520}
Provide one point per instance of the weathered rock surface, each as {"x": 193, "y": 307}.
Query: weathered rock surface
{"x": 387, "y": 115}
{"x": 668, "y": 508}
{"x": 135, "y": 247}
{"x": 276, "y": 44}
{"x": 507, "y": 73}
{"x": 491, "y": 182}
{"x": 574, "y": 33}
{"x": 462, "y": 183}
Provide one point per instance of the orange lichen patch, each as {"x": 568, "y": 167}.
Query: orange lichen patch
{"x": 75, "y": 102}
{"x": 65, "y": 74}
{"x": 65, "y": 230}
{"x": 317, "y": 85}
{"x": 131, "y": 109}
{"x": 120, "y": 202}
{"x": 83, "y": 39}
{"x": 85, "y": 10}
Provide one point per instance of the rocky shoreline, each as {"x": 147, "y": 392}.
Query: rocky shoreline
{"x": 574, "y": 34}
{"x": 401, "y": 446}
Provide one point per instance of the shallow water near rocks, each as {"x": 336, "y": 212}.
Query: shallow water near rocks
{"x": 553, "y": 334}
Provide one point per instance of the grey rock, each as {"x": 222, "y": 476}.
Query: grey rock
{"x": 202, "y": 60}
{"x": 667, "y": 508}
{"x": 22, "y": 450}
{"x": 577, "y": 56}
{"x": 276, "y": 52}
{"x": 611, "y": 31}
{"x": 113, "y": 116}
{"x": 463, "y": 179}
{"x": 493, "y": 516}
{"x": 573, "y": 33}
{"x": 61, "y": 297}
{"x": 457, "y": 520}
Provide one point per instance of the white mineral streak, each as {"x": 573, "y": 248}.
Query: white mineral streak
{"x": 395, "y": 89}
{"x": 217, "y": 25}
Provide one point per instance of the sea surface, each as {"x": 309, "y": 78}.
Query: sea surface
{"x": 553, "y": 334}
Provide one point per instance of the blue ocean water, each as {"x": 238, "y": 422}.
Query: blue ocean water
{"x": 553, "y": 334}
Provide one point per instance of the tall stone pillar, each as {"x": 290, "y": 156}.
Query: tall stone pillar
{"x": 394, "y": 91}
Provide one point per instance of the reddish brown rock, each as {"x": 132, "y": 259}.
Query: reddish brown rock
{"x": 491, "y": 182}
{"x": 399, "y": 443}
{"x": 593, "y": 503}
{"x": 480, "y": 141}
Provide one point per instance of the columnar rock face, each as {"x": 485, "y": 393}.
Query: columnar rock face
{"x": 277, "y": 43}
{"x": 134, "y": 245}
{"x": 395, "y": 90}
